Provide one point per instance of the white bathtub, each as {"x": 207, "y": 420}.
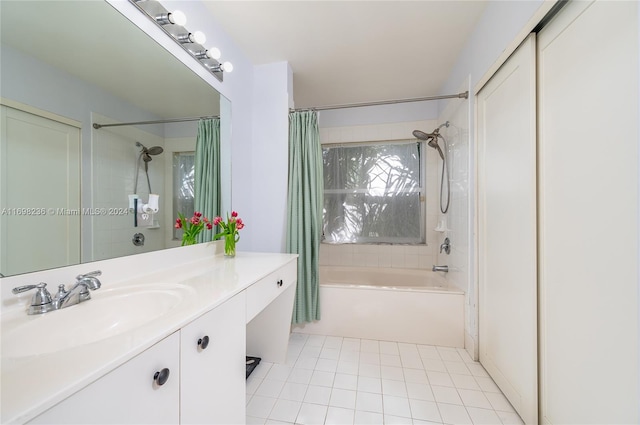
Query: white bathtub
{"x": 404, "y": 305}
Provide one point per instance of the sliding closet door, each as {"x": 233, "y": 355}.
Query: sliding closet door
{"x": 588, "y": 112}
{"x": 507, "y": 230}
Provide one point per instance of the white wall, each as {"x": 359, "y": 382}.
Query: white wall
{"x": 270, "y": 155}
{"x": 496, "y": 29}
{"x": 381, "y": 114}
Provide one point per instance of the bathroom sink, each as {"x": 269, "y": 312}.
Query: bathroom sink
{"x": 110, "y": 312}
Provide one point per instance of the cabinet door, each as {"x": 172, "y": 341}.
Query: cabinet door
{"x": 212, "y": 388}
{"x": 129, "y": 394}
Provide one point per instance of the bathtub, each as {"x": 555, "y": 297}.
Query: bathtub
{"x": 404, "y": 305}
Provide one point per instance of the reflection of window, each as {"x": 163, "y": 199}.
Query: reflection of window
{"x": 183, "y": 184}
{"x": 373, "y": 193}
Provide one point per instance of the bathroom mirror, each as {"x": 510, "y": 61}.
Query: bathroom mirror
{"x": 65, "y": 186}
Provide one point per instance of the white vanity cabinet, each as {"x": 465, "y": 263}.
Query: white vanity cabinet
{"x": 212, "y": 360}
{"x": 128, "y": 394}
{"x": 228, "y": 308}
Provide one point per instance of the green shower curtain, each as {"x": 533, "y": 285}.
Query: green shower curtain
{"x": 207, "y": 185}
{"x": 304, "y": 211}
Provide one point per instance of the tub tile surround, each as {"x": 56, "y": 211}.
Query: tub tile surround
{"x": 114, "y": 163}
{"x": 459, "y": 216}
{"x": 387, "y": 255}
{"x": 360, "y": 389}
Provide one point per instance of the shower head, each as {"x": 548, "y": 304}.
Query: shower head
{"x": 421, "y": 135}
{"x": 431, "y": 138}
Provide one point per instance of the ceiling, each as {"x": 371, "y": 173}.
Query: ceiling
{"x": 99, "y": 45}
{"x": 353, "y": 51}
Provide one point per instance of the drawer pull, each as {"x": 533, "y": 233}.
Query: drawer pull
{"x": 279, "y": 282}
{"x": 161, "y": 377}
{"x": 203, "y": 342}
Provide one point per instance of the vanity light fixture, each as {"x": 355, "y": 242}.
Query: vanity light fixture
{"x": 172, "y": 23}
{"x": 199, "y": 37}
{"x": 224, "y": 67}
{"x": 212, "y": 53}
{"x": 176, "y": 17}
{"x": 193, "y": 37}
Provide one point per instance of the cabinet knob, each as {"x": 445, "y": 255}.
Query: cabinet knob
{"x": 161, "y": 377}
{"x": 279, "y": 282}
{"x": 203, "y": 342}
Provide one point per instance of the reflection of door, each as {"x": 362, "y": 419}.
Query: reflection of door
{"x": 507, "y": 229}
{"x": 39, "y": 193}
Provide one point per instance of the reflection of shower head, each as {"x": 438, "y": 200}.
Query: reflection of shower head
{"x": 155, "y": 150}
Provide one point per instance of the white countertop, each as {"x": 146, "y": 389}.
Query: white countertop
{"x": 30, "y": 385}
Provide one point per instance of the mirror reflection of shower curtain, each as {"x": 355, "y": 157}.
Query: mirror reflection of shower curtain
{"x": 208, "y": 189}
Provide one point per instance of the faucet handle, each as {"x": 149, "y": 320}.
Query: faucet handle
{"x": 94, "y": 273}
{"x": 41, "y": 301}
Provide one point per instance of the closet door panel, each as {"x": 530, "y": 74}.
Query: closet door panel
{"x": 588, "y": 167}
{"x": 507, "y": 267}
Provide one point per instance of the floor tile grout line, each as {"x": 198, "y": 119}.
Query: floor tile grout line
{"x": 404, "y": 380}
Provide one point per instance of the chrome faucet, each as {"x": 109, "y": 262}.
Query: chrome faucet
{"x": 440, "y": 269}
{"x": 42, "y": 302}
{"x": 79, "y": 292}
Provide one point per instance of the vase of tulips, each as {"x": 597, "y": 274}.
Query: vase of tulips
{"x": 192, "y": 227}
{"x": 229, "y": 231}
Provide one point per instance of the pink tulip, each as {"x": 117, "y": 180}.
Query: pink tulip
{"x": 239, "y": 221}
{"x": 195, "y": 220}
{"x": 197, "y": 214}
{"x": 209, "y": 226}
{"x": 178, "y": 226}
{"x": 239, "y": 226}
{"x": 217, "y": 221}
{"x": 234, "y": 214}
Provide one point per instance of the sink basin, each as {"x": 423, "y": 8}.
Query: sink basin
{"x": 110, "y": 312}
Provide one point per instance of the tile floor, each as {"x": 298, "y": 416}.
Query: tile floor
{"x": 333, "y": 380}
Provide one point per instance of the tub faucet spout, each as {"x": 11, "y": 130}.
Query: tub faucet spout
{"x": 440, "y": 269}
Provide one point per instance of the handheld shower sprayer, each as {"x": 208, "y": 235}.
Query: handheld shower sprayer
{"x": 432, "y": 141}
{"x": 145, "y": 156}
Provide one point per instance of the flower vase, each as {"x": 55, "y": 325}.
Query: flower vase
{"x": 230, "y": 244}
{"x": 186, "y": 240}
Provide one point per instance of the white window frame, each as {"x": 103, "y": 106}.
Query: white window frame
{"x": 421, "y": 239}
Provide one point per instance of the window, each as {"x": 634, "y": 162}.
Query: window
{"x": 183, "y": 187}
{"x": 373, "y": 193}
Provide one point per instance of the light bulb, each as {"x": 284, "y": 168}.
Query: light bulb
{"x": 227, "y": 67}
{"x": 178, "y": 17}
{"x": 199, "y": 37}
{"x": 214, "y": 53}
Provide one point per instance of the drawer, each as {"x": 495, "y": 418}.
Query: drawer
{"x": 264, "y": 291}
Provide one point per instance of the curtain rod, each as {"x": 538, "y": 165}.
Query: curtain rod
{"x": 99, "y": 126}
{"x": 463, "y": 95}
